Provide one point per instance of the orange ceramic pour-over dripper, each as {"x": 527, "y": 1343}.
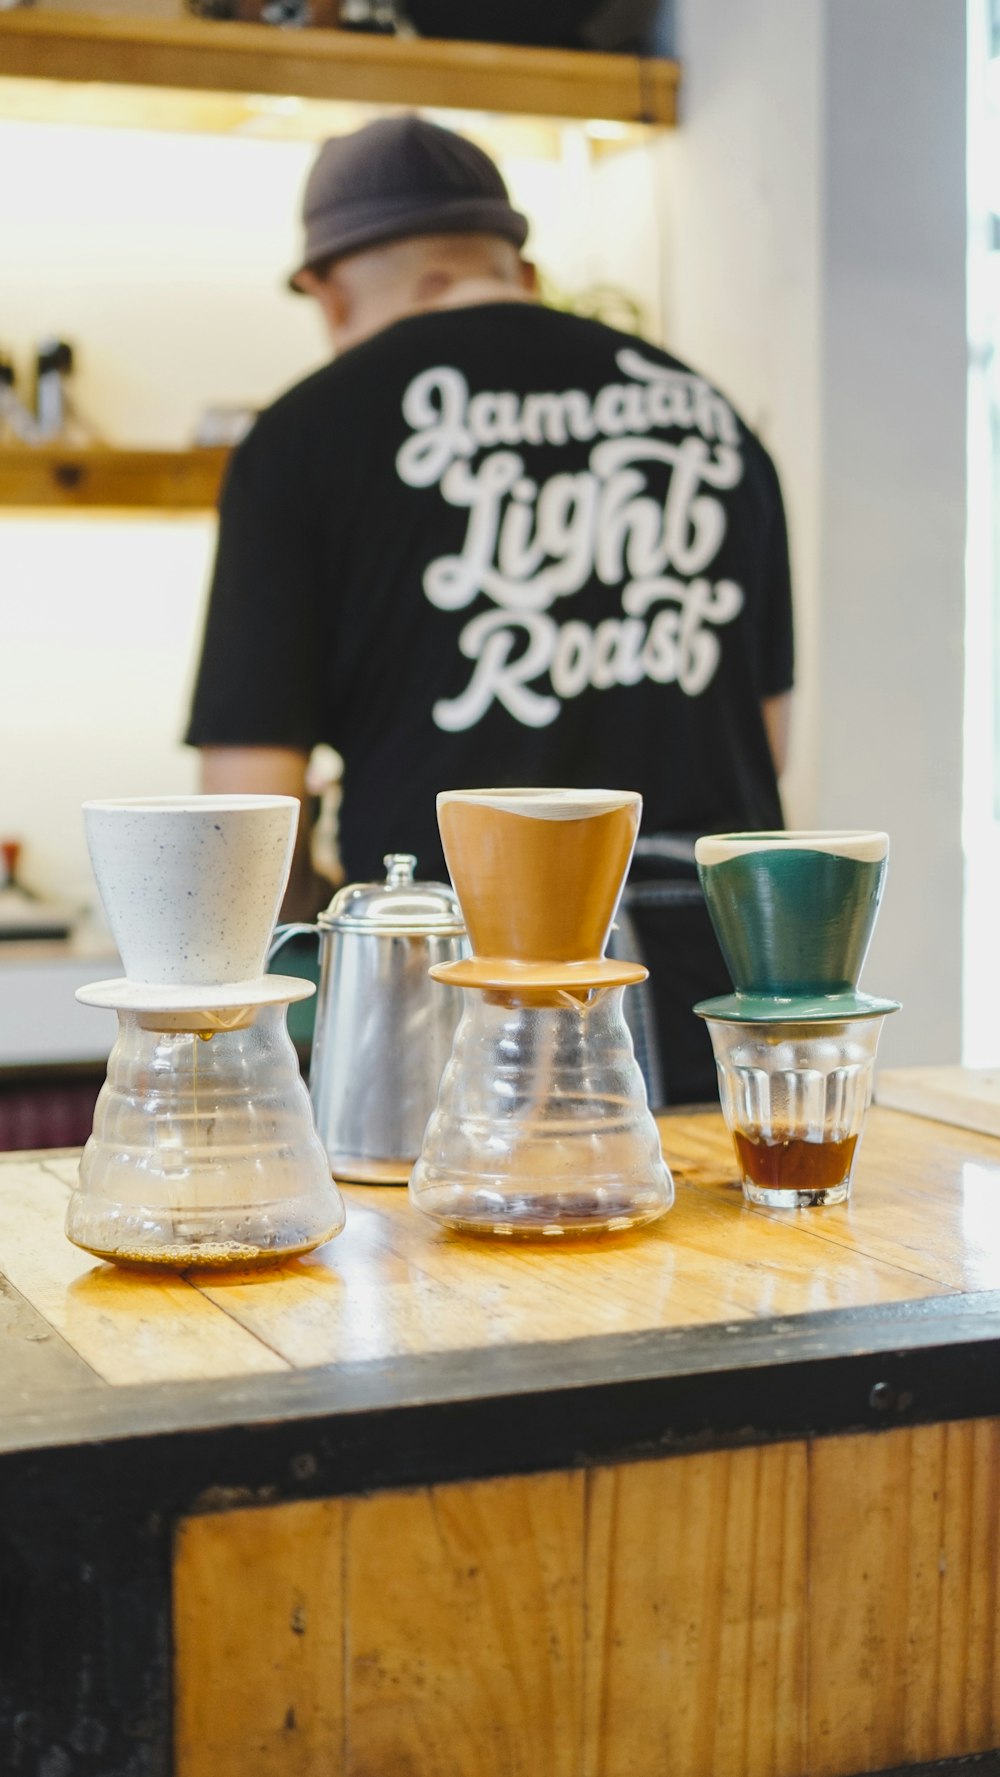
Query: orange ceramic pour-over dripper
{"x": 539, "y": 874}
{"x": 541, "y": 1125}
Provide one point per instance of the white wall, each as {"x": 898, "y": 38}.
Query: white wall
{"x": 740, "y": 182}
{"x": 98, "y": 622}
{"x": 815, "y": 206}
{"x": 894, "y": 374}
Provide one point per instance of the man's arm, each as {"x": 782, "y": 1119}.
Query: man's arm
{"x": 777, "y": 713}
{"x": 272, "y": 771}
{"x": 775, "y": 632}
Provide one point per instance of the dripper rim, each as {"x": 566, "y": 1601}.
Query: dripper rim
{"x": 544, "y": 802}
{"x": 187, "y": 804}
{"x": 123, "y": 994}
{"x": 866, "y": 845}
{"x": 818, "y": 1008}
{"x": 507, "y": 974}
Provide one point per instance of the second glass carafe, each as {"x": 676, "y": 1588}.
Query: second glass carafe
{"x": 542, "y": 1126}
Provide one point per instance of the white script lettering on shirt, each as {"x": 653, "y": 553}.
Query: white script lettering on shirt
{"x": 528, "y": 544}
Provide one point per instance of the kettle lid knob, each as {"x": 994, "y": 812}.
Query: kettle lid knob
{"x": 397, "y": 905}
{"x": 399, "y": 868}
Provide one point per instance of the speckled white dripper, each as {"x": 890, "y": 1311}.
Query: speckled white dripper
{"x": 191, "y": 887}
{"x": 204, "y": 1150}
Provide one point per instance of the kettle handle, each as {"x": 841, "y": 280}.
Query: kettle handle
{"x": 282, "y": 934}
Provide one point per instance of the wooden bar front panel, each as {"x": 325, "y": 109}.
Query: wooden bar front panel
{"x": 794, "y": 1610}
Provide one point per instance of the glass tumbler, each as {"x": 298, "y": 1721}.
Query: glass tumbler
{"x": 203, "y": 1151}
{"x": 541, "y": 1125}
{"x": 794, "y": 1096}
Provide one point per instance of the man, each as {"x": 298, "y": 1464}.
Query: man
{"x": 496, "y": 544}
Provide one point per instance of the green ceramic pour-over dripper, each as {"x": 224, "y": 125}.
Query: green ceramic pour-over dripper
{"x": 794, "y": 914}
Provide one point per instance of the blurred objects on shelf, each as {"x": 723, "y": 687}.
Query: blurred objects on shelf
{"x": 387, "y": 18}
{"x": 7, "y": 398}
{"x": 23, "y": 914}
{"x": 55, "y": 417}
{"x": 293, "y": 13}
{"x": 53, "y": 364}
{"x": 224, "y": 426}
{"x": 634, "y": 25}
{"x": 10, "y": 852}
{"x": 17, "y": 422}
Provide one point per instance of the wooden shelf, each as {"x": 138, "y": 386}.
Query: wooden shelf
{"x": 93, "y": 477}
{"x": 324, "y": 64}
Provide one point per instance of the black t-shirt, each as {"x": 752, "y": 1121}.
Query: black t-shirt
{"x": 503, "y": 545}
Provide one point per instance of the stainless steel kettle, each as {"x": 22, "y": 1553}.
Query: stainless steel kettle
{"x": 384, "y": 1029}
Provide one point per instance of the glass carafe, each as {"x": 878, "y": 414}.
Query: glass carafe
{"x": 203, "y": 1151}
{"x": 541, "y": 1125}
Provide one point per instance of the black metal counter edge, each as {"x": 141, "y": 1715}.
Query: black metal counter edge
{"x": 465, "y": 1415}
{"x": 978, "y": 1764}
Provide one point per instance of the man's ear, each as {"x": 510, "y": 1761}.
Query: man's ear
{"x": 528, "y": 276}
{"x": 330, "y": 292}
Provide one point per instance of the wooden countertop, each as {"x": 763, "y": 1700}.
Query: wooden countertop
{"x": 925, "y": 1221}
{"x": 719, "y": 1322}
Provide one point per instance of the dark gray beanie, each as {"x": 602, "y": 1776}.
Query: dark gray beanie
{"x": 402, "y": 176}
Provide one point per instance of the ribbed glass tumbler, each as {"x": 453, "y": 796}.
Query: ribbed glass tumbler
{"x": 794, "y": 1097}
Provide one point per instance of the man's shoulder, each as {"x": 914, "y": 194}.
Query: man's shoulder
{"x": 310, "y": 395}
{"x": 302, "y": 421}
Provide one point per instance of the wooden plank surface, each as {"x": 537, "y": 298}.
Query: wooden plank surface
{"x": 696, "y": 1616}
{"x": 88, "y": 478}
{"x": 36, "y": 1362}
{"x": 230, "y": 57}
{"x": 128, "y": 1328}
{"x": 471, "y": 1598}
{"x": 927, "y": 1201}
{"x": 802, "y": 1610}
{"x": 461, "y": 1610}
{"x": 924, "y": 1221}
{"x": 904, "y": 1640}
{"x": 62, "y": 1166}
{"x": 969, "y": 1097}
{"x": 258, "y": 1605}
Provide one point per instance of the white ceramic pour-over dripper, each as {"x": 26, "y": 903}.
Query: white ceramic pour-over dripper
{"x": 191, "y": 887}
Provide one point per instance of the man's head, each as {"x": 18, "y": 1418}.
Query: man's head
{"x": 401, "y": 217}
